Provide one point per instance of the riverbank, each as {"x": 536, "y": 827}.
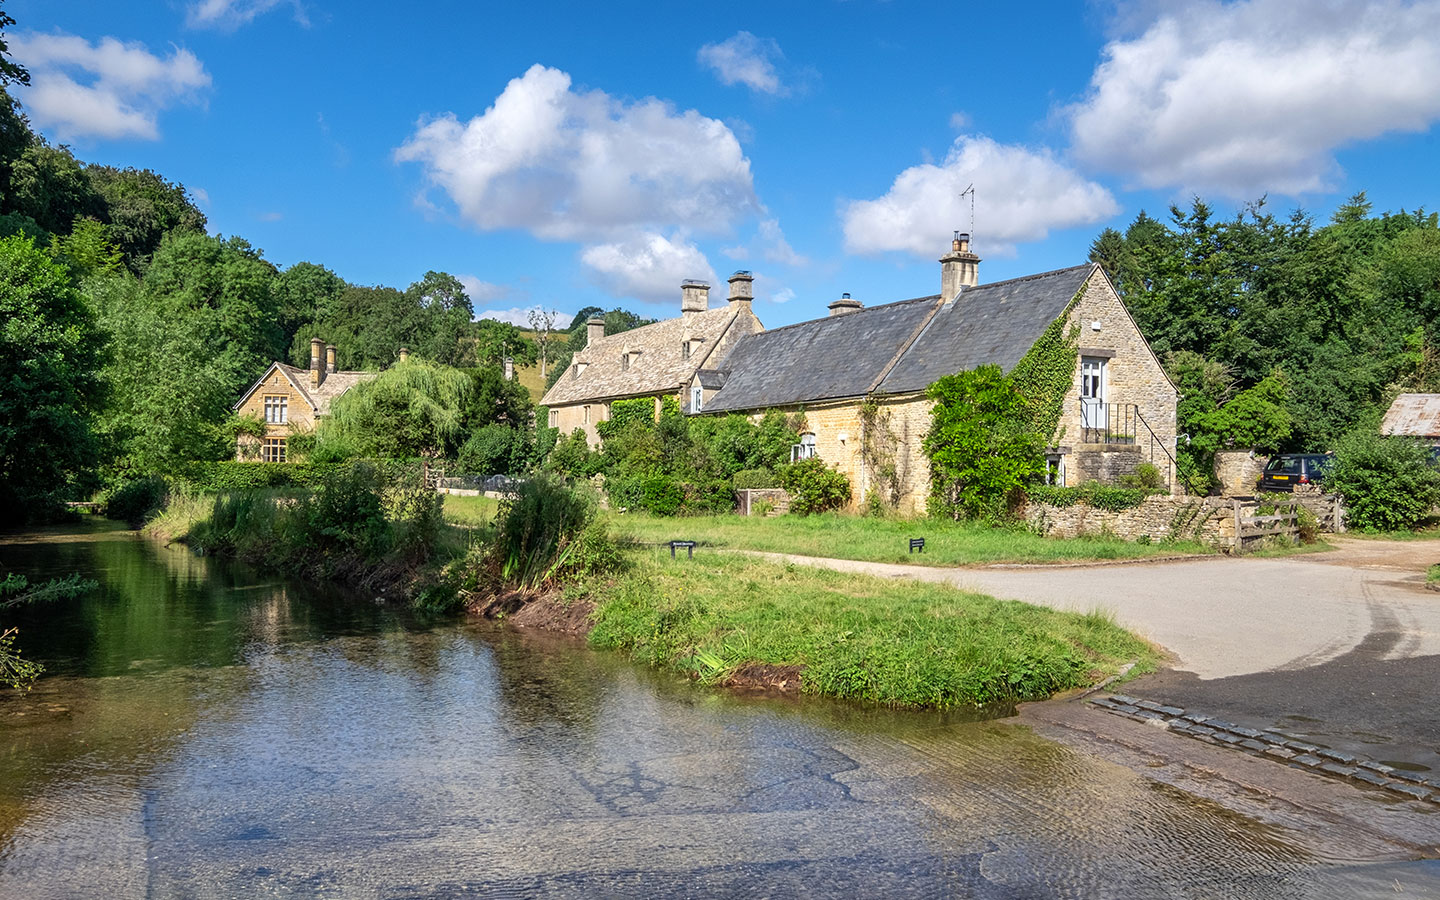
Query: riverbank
{"x": 727, "y": 619}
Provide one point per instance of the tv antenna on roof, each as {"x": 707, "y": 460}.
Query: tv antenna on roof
{"x": 971, "y": 191}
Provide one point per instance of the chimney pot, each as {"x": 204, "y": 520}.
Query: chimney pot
{"x": 845, "y": 305}
{"x": 330, "y": 359}
{"x": 694, "y": 297}
{"x": 594, "y": 330}
{"x": 742, "y": 288}
{"x": 317, "y": 364}
{"x": 959, "y": 269}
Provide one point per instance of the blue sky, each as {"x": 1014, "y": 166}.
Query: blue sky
{"x": 573, "y": 154}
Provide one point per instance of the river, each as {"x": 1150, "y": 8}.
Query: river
{"x": 206, "y": 730}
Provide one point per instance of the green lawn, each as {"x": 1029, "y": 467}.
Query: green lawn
{"x": 885, "y": 540}
{"x": 896, "y": 642}
{"x": 470, "y": 511}
{"x": 1432, "y": 575}
{"x": 1428, "y": 531}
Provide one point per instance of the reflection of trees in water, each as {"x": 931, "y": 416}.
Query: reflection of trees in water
{"x": 547, "y": 685}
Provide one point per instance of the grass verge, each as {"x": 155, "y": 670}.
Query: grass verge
{"x": 472, "y": 512}
{"x": 887, "y": 540}
{"x": 1432, "y": 575}
{"x": 893, "y": 642}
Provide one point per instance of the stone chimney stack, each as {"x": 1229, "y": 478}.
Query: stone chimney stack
{"x": 317, "y": 364}
{"x": 329, "y": 359}
{"x": 694, "y": 297}
{"x": 742, "y": 290}
{"x": 404, "y": 354}
{"x": 594, "y": 330}
{"x": 509, "y": 368}
{"x": 959, "y": 269}
{"x": 845, "y": 305}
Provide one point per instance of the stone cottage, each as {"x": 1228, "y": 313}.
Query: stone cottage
{"x": 290, "y": 400}
{"x": 859, "y": 375}
{"x": 657, "y": 361}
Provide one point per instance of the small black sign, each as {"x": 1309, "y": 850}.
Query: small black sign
{"x": 917, "y": 544}
{"x": 689, "y": 547}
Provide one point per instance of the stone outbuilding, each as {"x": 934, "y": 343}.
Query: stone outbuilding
{"x": 860, "y": 375}
{"x": 1414, "y": 415}
{"x": 290, "y": 400}
{"x": 657, "y": 361}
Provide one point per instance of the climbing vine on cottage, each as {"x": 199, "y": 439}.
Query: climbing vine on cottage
{"x": 1045, "y": 374}
{"x": 878, "y": 448}
{"x": 989, "y": 430}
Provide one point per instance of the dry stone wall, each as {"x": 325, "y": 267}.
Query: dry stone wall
{"x": 1209, "y": 520}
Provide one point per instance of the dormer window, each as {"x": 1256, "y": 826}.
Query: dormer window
{"x": 577, "y": 370}
{"x": 625, "y": 362}
{"x": 697, "y": 395}
{"x": 685, "y": 350}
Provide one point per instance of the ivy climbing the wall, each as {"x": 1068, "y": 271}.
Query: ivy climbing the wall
{"x": 1044, "y": 375}
{"x": 878, "y": 450}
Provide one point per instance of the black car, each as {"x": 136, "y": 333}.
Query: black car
{"x": 1286, "y": 471}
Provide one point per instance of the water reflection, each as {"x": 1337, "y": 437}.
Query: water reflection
{"x": 212, "y": 731}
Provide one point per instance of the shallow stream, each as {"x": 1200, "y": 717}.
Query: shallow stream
{"x": 206, "y": 730}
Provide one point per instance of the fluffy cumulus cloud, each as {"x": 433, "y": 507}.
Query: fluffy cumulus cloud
{"x": 1255, "y": 96}
{"x": 520, "y": 315}
{"x": 482, "y": 291}
{"x": 1022, "y": 193}
{"x": 582, "y": 165}
{"x": 648, "y": 266}
{"x": 745, "y": 59}
{"x": 108, "y": 89}
{"x": 228, "y": 15}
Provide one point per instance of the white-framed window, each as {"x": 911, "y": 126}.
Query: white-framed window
{"x": 277, "y": 409}
{"x": 685, "y": 350}
{"x": 697, "y": 396}
{"x": 554, "y": 418}
{"x": 805, "y": 449}
{"x": 273, "y": 450}
{"x": 587, "y": 415}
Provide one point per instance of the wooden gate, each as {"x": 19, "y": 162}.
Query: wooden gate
{"x": 1251, "y": 526}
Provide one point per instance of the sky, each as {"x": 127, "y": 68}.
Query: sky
{"x": 559, "y": 156}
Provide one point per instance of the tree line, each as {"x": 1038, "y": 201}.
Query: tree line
{"x": 1282, "y": 334}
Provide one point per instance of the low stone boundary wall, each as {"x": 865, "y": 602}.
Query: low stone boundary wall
{"x": 1211, "y": 520}
{"x": 749, "y": 500}
{"x": 1207, "y": 519}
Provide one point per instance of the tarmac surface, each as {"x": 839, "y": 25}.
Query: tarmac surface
{"x": 1340, "y": 648}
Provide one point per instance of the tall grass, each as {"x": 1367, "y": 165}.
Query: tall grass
{"x": 547, "y": 529}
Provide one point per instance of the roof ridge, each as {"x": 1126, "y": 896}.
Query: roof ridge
{"x": 1034, "y": 277}
{"x": 861, "y": 311}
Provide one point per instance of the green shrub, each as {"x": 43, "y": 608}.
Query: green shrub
{"x": 137, "y": 500}
{"x": 1388, "y": 482}
{"x": 1100, "y": 496}
{"x": 495, "y": 449}
{"x": 755, "y": 480}
{"x": 1146, "y": 476}
{"x": 982, "y": 445}
{"x": 813, "y": 486}
{"x": 544, "y": 533}
{"x": 1308, "y": 524}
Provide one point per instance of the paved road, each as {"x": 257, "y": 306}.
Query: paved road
{"x": 1342, "y": 647}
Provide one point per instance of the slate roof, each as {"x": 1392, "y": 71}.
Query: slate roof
{"x": 897, "y": 347}
{"x": 994, "y": 324}
{"x": 660, "y": 367}
{"x": 837, "y": 356}
{"x": 1414, "y": 415}
{"x": 335, "y": 384}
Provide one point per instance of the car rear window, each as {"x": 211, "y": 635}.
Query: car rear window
{"x": 1284, "y": 465}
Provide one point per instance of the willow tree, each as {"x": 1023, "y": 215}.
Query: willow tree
{"x": 413, "y": 409}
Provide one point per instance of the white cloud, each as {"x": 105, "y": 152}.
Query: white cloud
{"x": 1256, "y": 96}
{"x": 746, "y": 59}
{"x": 582, "y": 165}
{"x": 520, "y": 315}
{"x": 784, "y": 295}
{"x": 271, "y": 216}
{"x": 201, "y": 196}
{"x": 108, "y": 89}
{"x": 1021, "y": 194}
{"x": 228, "y": 15}
{"x": 776, "y": 248}
{"x": 647, "y": 266}
{"x": 482, "y": 291}
{"x": 959, "y": 121}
